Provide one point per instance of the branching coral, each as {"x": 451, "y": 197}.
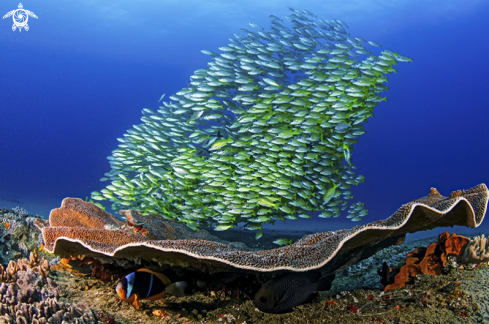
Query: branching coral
{"x": 28, "y": 295}
{"x": 476, "y": 251}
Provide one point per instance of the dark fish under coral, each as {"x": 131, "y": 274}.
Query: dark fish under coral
{"x": 283, "y": 292}
{"x": 387, "y": 274}
{"x": 147, "y": 284}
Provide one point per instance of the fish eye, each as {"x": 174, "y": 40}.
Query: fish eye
{"x": 263, "y": 299}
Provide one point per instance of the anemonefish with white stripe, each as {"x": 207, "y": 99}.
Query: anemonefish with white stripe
{"x": 147, "y": 284}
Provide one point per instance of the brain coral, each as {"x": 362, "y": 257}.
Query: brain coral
{"x": 265, "y": 133}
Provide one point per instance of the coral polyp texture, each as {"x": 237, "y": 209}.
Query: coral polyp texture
{"x": 28, "y": 295}
{"x": 80, "y": 228}
{"x": 265, "y": 133}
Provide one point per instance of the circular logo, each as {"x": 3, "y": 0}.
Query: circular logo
{"x": 20, "y": 18}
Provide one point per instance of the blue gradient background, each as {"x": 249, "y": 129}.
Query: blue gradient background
{"x": 80, "y": 76}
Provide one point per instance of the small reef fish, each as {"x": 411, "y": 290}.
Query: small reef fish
{"x": 246, "y": 135}
{"x": 330, "y": 193}
{"x": 283, "y": 241}
{"x": 147, "y": 284}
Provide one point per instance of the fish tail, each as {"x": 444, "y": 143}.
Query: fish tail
{"x": 176, "y": 289}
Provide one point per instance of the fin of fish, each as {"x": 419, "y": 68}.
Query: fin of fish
{"x": 164, "y": 279}
{"x": 176, "y": 289}
{"x": 135, "y": 303}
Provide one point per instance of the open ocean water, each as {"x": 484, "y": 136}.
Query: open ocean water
{"x": 81, "y": 74}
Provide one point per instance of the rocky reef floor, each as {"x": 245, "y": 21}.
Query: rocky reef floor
{"x": 460, "y": 296}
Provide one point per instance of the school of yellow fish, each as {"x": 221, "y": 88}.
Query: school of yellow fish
{"x": 265, "y": 133}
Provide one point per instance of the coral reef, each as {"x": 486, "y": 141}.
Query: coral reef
{"x": 46, "y": 311}
{"x": 80, "y": 228}
{"x": 431, "y": 260}
{"x": 476, "y": 251}
{"x": 266, "y": 133}
{"x": 18, "y": 235}
{"x": 429, "y": 299}
{"x": 28, "y": 295}
{"x": 450, "y": 298}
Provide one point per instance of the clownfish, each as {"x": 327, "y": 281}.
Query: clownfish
{"x": 147, "y": 284}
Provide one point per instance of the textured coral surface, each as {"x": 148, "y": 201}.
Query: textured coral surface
{"x": 79, "y": 228}
{"x": 28, "y": 295}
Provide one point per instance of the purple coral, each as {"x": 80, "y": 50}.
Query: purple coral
{"x": 28, "y": 295}
{"x": 29, "y": 284}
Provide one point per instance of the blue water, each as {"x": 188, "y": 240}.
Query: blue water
{"x": 80, "y": 76}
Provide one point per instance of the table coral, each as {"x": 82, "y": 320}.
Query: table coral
{"x": 100, "y": 234}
